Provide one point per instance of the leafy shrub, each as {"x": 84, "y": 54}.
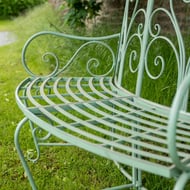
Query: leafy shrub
{"x": 80, "y": 10}
{"x": 9, "y": 8}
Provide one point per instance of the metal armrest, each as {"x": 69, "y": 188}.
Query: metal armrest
{"x": 178, "y": 117}
{"x": 87, "y": 41}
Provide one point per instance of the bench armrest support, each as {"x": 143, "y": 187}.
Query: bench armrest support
{"x": 86, "y": 41}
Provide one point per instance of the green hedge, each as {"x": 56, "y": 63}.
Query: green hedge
{"x": 80, "y": 10}
{"x": 11, "y": 8}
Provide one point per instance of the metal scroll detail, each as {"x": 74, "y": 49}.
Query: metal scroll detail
{"x": 92, "y": 62}
{"x": 156, "y": 36}
{"x": 147, "y": 32}
{"x": 51, "y": 57}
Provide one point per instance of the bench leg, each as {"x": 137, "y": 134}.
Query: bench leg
{"x": 20, "y": 153}
{"x": 135, "y": 178}
{"x": 182, "y": 181}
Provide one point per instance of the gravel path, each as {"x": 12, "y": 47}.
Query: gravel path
{"x": 6, "y": 38}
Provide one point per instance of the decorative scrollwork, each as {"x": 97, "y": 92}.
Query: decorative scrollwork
{"x": 132, "y": 58}
{"x": 156, "y": 29}
{"x": 134, "y": 55}
{"x": 178, "y": 49}
{"x": 93, "y": 63}
{"x": 159, "y": 60}
{"x": 34, "y": 155}
{"x": 46, "y": 59}
{"x": 136, "y": 37}
{"x": 39, "y": 134}
{"x": 51, "y": 57}
{"x": 140, "y": 28}
{"x": 142, "y": 40}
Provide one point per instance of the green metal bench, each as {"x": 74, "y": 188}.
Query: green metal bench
{"x": 106, "y": 109}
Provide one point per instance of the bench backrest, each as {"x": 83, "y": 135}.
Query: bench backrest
{"x": 152, "y": 57}
{"x": 152, "y": 53}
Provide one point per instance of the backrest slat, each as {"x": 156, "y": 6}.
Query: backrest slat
{"x": 143, "y": 47}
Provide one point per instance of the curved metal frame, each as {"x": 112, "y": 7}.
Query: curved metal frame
{"x": 57, "y": 70}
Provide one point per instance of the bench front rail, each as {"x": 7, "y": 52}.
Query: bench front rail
{"x": 96, "y": 104}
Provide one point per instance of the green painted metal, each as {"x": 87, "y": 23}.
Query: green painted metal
{"x": 153, "y": 34}
{"x": 97, "y": 112}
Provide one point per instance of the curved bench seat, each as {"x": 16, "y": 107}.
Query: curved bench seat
{"x": 87, "y": 112}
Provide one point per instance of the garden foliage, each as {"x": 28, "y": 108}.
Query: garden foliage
{"x": 81, "y": 10}
{"x": 10, "y": 8}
